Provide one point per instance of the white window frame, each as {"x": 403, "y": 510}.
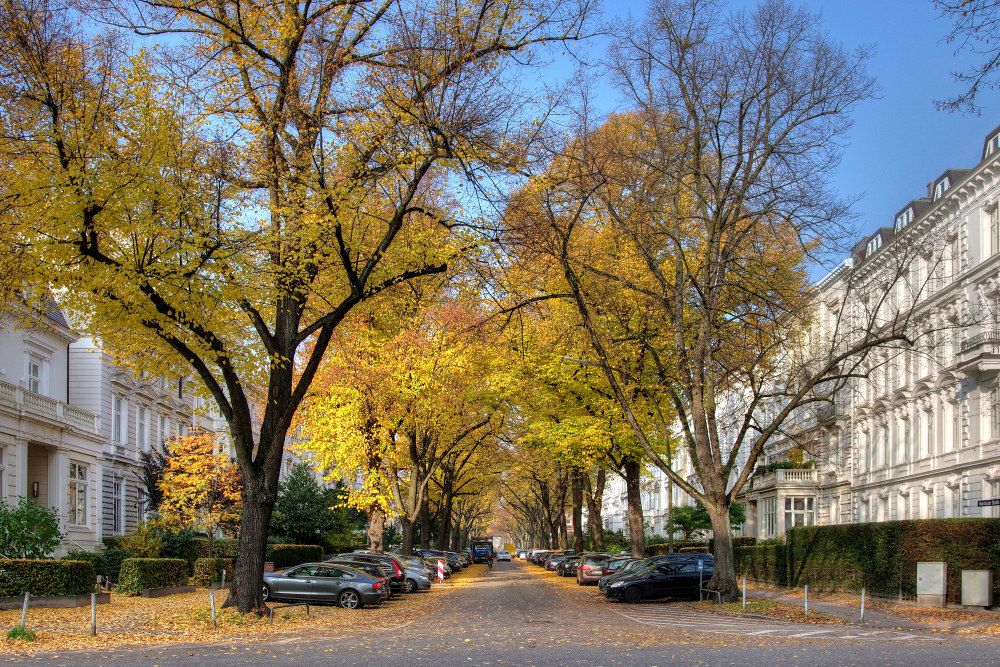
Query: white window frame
{"x": 164, "y": 429}
{"x": 941, "y": 187}
{"x": 904, "y": 218}
{"x": 119, "y": 415}
{"x": 79, "y": 486}
{"x": 873, "y": 244}
{"x": 141, "y": 428}
{"x": 118, "y": 506}
{"x": 807, "y": 511}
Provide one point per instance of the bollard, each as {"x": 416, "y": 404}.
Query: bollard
{"x": 93, "y": 614}
{"x": 24, "y": 609}
{"x": 807, "y": 599}
{"x": 223, "y": 578}
{"x": 862, "y": 605}
{"x": 211, "y": 599}
{"x": 744, "y": 593}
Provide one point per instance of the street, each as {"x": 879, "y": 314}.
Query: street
{"x": 513, "y": 616}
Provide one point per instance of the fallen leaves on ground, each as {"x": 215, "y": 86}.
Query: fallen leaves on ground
{"x": 137, "y": 621}
{"x": 771, "y": 608}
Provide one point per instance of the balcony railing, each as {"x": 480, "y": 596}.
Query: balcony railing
{"x": 794, "y": 476}
{"x": 22, "y": 400}
{"x": 979, "y": 339}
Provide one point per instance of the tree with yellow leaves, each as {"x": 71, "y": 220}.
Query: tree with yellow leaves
{"x": 201, "y": 487}
{"x": 223, "y": 198}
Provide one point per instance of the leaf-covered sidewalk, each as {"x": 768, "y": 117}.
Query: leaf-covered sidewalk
{"x": 136, "y": 621}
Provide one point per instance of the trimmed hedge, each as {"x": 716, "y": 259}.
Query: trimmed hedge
{"x": 662, "y": 548}
{"x": 883, "y": 556}
{"x": 765, "y": 562}
{"x": 209, "y": 570}
{"x": 223, "y": 547}
{"x": 46, "y": 577}
{"x": 286, "y": 555}
{"x": 738, "y": 541}
{"x": 140, "y": 573}
{"x": 693, "y": 550}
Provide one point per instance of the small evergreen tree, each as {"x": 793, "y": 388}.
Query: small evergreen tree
{"x": 306, "y": 511}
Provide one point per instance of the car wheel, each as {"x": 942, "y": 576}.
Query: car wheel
{"x": 267, "y": 593}
{"x": 349, "y": 600}
{"x": 632, "y": 595}
{"x": 411, "y": 586}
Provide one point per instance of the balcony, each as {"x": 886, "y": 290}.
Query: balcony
{"x": 980, "y": 354}
{"x": 787, "y": 478}
{"x": 39, "y": 406}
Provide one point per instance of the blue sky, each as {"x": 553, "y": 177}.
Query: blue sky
{"x": 899, "y": 142}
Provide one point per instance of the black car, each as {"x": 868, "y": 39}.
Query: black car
{"x": 324, "y": 582}
{"x": 675, "y": 578}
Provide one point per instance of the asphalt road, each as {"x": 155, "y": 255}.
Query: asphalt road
{"x": 511, "y": 616}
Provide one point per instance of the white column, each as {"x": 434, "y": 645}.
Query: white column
{"x": 20, "y": 467}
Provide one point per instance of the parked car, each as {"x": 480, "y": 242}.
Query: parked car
{"x": 324, "y": 582}
{"x": 629, "y": 566}
{"x": 395, "y": 568}
{"x": 521, "y": 554}
{"x": 567, "y": 566}
{"x": 591, "y": 567}
{"x": 503, "y": 555}
{"x": 371, "y": 569}
{"x": 678, "y": 578}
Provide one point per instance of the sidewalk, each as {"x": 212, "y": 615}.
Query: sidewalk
{"x": 881, "y": 618}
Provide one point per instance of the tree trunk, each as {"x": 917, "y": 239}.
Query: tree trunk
{"x": 595, "y": 498}
{"x": 245, "y": 591}
{"x": 376, "y": 528}
{"x": 444, "y": 535}
{"x": 724, "y": 576}
{"x": 406, "y": 525}
{"x": 633, "y": 468}
{"x": 578, "y": 511}
{"x": 425, "y": 525}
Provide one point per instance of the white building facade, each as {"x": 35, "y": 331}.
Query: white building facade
{"x": 919, "y": 436}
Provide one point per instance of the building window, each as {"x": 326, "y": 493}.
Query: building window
{"x": 118, "y": 412}
{"x": 78, "y": 494}
{"x": 180, "y": 387}
{"x": 164, "y": 429}
{"x": 992, "y": 145}
{"x": 874, "y": 244}
{"x": 799, "y": 512}
{"x": 35, "y": 375}
{"x": 904, "y": 218}
{"x": 767, "y": 517}
{"x": 118, "y": 507}
{"x": 941, "y": 187}
{"x": 141, "y": 420}
{"x": 904, "y": 512}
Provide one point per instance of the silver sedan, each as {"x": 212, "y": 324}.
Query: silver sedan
{"x": 322, "y": 582}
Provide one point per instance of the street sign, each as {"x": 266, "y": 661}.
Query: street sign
{"x": 990, "y": 502}
{"x": 701, "y": 565}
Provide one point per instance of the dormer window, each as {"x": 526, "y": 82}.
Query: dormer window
{"x": 874, "y": 244}
{"x": 904, "y": 218}
{"x": 941, "y": 187}
{"x": 992, "y": 145}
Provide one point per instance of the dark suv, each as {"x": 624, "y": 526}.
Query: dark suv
{"x": 679, "y": 577}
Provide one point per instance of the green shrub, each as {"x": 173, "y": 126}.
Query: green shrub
{"x": 28, "y": 530}
{"x": 143, "y": 542}
{"x": 46, "y": 577}
{"x": 738, "y": 541}
{"x": 339, "y": 543}
{"x": 209, "y": 570}
{"x": 660, "y": 549}
{"x": 224, "y": 548}
{"x": 140, "y": 573}
{"x": 112, "y": 542}
{"x": 883, "y": 556}
{"x": 762, "y": 563}
{"x": 693, "y": 550}
{"x": 286, "y": 555}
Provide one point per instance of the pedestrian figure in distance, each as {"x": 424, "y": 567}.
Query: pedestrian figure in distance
{"x": 489, "y": 560}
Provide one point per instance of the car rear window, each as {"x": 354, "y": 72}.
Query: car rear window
{"x": 594, "y": 560}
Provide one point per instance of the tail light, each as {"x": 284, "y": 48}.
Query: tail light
{"x": 398, "y": 573}
{"x": 377, "y": 585}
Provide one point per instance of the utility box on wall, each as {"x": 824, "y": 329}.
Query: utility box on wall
{"x": 977, "y": 588}
{"x": 932, "y": 584}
